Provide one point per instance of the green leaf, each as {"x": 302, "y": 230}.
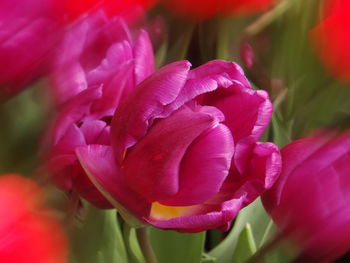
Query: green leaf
{"x": 281, "y": 130}
{"x": 161, "y": 54}
{"x": 246, "y": 246}
{"x": 206, "y": 258}
{"x": 23, "y": 118}
{"x": 132, "y": 246}
{"x": 255, "y": 215}
{"x": 99, "y": 240}
{"x": 173, "y": 247}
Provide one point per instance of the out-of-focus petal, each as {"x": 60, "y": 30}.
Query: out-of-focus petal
{"x": 76, "y": 108}
{"x": 144, "y": 58}
{"x": 310, "y": 200}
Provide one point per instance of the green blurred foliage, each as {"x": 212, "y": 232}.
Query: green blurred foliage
{"x": 174, "y": 247}
{"x": 256, "y": 217}
{"x": 98, "y": 239}
{"x": 246, "y": 246}
{"x": 23, "y": 119}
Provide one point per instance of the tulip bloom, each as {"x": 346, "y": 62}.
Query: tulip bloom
{"x": 28, "y": 231}
{"x": 331, "y": 39}
{"x": 100, "y": 51}
{"x": 184, "y": 151}
{"x": 99, "y": 64}
{"x": 28, "y": 29}
{"x": 199, "y": 9}
{"x": 310, "y": 201}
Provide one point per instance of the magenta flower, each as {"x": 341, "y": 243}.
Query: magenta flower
{"x": 99, "y": 51}
{"x": 310, "y": 201}
{"x": 101, "y": 65}
{"x": 28, "y": 30}
{"x": 184, "y": 151}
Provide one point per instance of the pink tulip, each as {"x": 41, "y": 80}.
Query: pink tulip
{"x": 184, "y": 153}
{"x": 99, "y": 51}
{"x": 28, "y": 30}
{"x": 100, "y": 64}
{"x": 310, "y": 201}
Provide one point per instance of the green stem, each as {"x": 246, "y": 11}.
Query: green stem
{"x": 145, "y": 245}
{"x": 266, "y": 233}
{"x": 267, "y": 18}
{"x": 223, "y": 39}
{"x": 72, "y": 209}
{"x": 127, "y": 235}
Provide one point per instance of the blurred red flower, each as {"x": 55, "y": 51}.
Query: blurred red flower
{"x": 28, "y": 231}
{"x": 331, "y": 38}
{"x": 204, "y": 9}
{"x": 129, "y": 9}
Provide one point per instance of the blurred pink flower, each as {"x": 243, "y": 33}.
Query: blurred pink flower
{"x": 28, "y": 231}
{"x": 184, "y": 151}
{"x": 28, "y": 30}
{"x": 310, "y": 201}
{"x": 97, "y": 52}
{"x": 99, "y": 64}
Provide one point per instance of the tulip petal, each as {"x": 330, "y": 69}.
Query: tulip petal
{"x": 74, "y": 111}
{"x": 205, "y": 165}
{"x": 72, "y": 138}
{"x": 144, "y": 58}
{"x": 60, "y": 169}
{"x": 144, "y": 104}
{"x": 202, "y": 217}
{"x": 223, "y": 70}
{"x": 206, "y": 78}
{"x": 247, "y": 111}
{"x": 85, "y": 188}
{"x": 247, "y": 114}
{"x": 67, "y": 82}
{"x": 293, "y": 155}
{"x": 152, "y": 165}
{"x": 68, "y": 78}
{"x": 92, "y": 130}
{"x": 116, "y": 84}
{"x": 117, "y": 55}
{"x": 99, "y": 164}
{"x": 317, "y": 217}
{"x": 263, "y": 170}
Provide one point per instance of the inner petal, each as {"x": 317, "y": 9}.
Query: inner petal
{"x": 152, "y": 165}
{"x": 204, "y": 167}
